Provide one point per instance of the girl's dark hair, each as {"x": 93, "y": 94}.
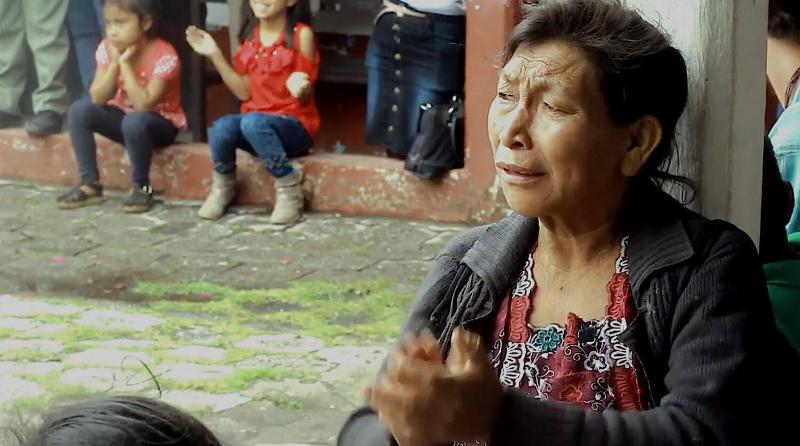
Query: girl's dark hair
{"x": 640, "y": 73}
{"x": 299, "y": 13}
{"x": 120, "y": 420}
{"x": 784, "y": 19}
{"x": 142, "y": 8}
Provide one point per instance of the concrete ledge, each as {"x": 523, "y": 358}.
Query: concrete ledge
{"x": 347, "y": 184}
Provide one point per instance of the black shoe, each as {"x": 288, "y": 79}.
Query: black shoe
{"x": 8, "y": 120}
{"x": 44, "y": 124}
{"x": 86, "y": 194}
{"x": 140, "y": 200}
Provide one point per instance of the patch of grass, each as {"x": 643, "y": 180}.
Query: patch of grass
{"x": 437, "y": 246}
{"x": 26, "y": 405}
{"x": 242, "y": 379}
{"x": 234, "y": 355}
{"x": 51, "y": 318}
{"x": 157, "y": 289}
{"x": 52, "y": 384}
{"x": 7, "y": 333}
{"x": 55, "y": 392}
{"x": 201, "y": 411}
{"x": 239, "y": 229}
{"x": 31, "y": 355}
{"x": 171, "y": 270}
{"x": 285, "y": 402}
{"x": 74, "y": 335}
{"x": 227, "y": 332}
{"x": 88, "y": 221}
{"x": 373, "y": 307}
{"x": 21, "y": 184}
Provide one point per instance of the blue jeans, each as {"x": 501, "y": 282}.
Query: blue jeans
{"x": 141, "y": 132}
{"x": 85, "y": 20}
{"x": 272, "y": 138}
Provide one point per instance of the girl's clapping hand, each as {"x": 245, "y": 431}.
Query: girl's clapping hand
{"x": 201, "y": 41}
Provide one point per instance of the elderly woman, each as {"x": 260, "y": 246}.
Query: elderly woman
{"x": 602, "y": 312}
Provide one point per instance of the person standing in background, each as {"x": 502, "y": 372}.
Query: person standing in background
{"x": 415, "y": 56}
{"x": 783, "y": 70}
{"x": 41, "y": 26}
{"x": 85, "y": 20}
{"x": 780, "y": 254}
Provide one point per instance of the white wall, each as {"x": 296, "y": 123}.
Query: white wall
{"x": 721, "y": 139}
{"x": 217, "y": 14}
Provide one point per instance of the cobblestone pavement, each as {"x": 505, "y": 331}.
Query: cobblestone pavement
{"x": 266, "y": 333}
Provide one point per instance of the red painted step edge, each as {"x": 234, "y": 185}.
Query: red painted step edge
{"x": 346, "y": 184}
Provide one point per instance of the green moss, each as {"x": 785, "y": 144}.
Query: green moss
{"x": 201, "y": 411}
{"x": 285, "y": 402}
{"x": 366, "y": 310}
{"x": 31, "y": 355}
{"x": 235, "y": 355}
{"x": 26, "y": 405}
{"x": 241, "y": 379}
{"x": 238, "y": 229}
{"x": 336, "y": 313}
{"x": 53, "y": 385}
{"x": 55, "y": 392}
{"x": 157, "y": 289}
{"x": 74, "y": 335}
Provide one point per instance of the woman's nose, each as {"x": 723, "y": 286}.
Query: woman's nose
{"x": 515, "y": 134}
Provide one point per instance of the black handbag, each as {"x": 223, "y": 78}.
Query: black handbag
{"x": 439, "y": 146}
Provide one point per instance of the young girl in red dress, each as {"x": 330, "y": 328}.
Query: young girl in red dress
{"x": 273, "y": 74}
{"x": 134, "y": 100}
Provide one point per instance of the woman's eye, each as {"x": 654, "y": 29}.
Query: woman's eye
{"x": 506, "y": 96}
{"x": 550, "y": 107}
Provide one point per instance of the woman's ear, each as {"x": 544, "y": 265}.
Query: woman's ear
{"x": 645, "y": 135}
{"x": 147, "y": 23}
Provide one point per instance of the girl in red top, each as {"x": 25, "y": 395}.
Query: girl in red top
{"x": 135, "y": 100}
{"x": 273, "y": 74}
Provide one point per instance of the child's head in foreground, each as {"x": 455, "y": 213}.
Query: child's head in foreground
{"x": 120, "y": 421}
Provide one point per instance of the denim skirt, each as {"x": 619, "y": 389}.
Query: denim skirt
{"x": 411, "y": 61}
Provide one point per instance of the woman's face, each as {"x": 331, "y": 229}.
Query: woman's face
{"x": 556, "y": 150}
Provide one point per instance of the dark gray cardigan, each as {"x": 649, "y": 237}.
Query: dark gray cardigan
{"x": 704, "y": 336}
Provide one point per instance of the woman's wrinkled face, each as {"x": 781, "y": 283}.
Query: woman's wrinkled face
{"x": 556, "y": 150}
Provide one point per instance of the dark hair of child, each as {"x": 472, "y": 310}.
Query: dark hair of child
{"x": 299, "y": 13}
{"x": 142, "y": 8}
{"x": 117, "y": 421}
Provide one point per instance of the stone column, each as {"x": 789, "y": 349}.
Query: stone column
{"x": 489, "y": 24}
{"x": 722, "y": 136}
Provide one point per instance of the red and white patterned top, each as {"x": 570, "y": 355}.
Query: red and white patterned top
{"x": 161, "y": 61}
{"x": 583, "y": 363}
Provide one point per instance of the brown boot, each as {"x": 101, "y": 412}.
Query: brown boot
{"x": 289, "y": 199}
{"x": 223, "y": 189}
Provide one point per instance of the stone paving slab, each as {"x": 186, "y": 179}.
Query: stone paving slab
{"x": 221, "y": 318}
